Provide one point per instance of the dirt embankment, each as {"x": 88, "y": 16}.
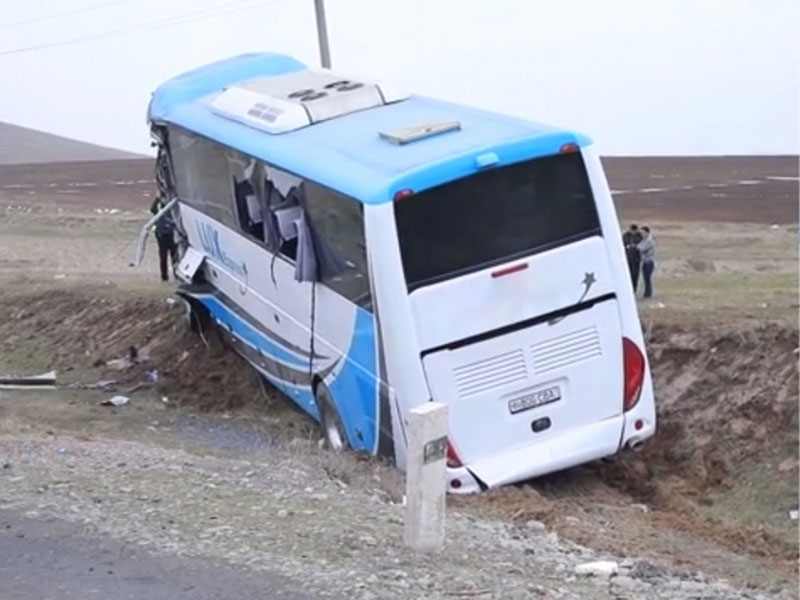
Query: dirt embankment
{"x": 725, "y": 398}
{"x": 727, "y": 401}
{"x": 727, "y": 405}
{"x": 90, "y": 339}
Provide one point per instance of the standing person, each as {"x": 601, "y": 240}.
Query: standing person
{"x": 647, "y": 248}
{"x": 165, "y": 236}
{"x": 631, "y": 240}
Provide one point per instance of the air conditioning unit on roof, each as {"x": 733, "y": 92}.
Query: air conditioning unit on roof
{"x": 287, "y": 102}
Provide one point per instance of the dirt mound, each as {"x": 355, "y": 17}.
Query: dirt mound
{"x": 725, "y": 399}
{"x": 89, "y": 338}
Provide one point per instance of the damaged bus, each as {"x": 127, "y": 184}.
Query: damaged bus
{"x": 368, "y": 251}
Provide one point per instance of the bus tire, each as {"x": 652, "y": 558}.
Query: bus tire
{"x": 333, "y": 432}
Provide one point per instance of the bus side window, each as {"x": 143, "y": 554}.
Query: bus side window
{"x": 202, "y": 176}
{"x": 340, "y": 220}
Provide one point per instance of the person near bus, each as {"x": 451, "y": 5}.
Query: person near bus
{"x": 647, "y": 249}
{"x": 631, "y": 240}
{"x": 165, "y": 236}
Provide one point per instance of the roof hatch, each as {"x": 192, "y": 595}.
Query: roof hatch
{"x": 411, "y": 133}
{"x": 287, "y": 102}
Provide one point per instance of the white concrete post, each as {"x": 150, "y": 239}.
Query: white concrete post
{"x": 425, "y": 477}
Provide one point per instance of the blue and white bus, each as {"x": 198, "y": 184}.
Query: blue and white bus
{"x": 368, "y": 251}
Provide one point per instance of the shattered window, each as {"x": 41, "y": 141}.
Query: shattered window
{"x": 249, "y": 208}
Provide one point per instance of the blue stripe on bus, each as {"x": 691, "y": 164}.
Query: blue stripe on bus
{"x": 302, "y": 396}
{"x": 354, "y": 388}
{"x": 248, "y": 333}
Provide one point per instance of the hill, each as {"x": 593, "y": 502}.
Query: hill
{"x": 21, "y": 145}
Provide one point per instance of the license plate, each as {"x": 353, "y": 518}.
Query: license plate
{"x": 534, "y": 399}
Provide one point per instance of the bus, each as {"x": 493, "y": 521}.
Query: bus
{"x": 367, "y": 250}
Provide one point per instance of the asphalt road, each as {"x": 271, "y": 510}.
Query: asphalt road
{"x": 53, "y": 560}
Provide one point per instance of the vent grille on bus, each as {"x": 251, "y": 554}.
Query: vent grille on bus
{"x": 489, "y": 373}
{"x": 566, "y": 350}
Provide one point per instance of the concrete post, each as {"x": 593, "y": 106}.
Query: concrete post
{"x": 425, "y": 477}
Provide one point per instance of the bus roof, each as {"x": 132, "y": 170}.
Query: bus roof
{"x": 346, "y": 153}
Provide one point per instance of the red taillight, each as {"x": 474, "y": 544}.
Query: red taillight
{"x": 403, "y": 194}
{"x": 634, "y": 373}
{"x": 568, "y": 148}
{"x": 452, "y": 458}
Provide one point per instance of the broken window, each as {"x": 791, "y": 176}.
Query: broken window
{"x": 318, "y": 229}
{"x": 283, "y": 193}
{"x": 249, "y": 206}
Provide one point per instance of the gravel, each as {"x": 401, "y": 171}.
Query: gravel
{"x": 287, "y": 512}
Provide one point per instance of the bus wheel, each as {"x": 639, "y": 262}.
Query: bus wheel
{"x": 332, "y": 429}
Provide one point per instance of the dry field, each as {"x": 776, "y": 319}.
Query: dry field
{"x": 711, "y": 493}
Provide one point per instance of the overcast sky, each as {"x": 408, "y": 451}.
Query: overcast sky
{"x": 641, "y": 77}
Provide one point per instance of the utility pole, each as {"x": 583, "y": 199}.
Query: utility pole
{"x": 322, "y": 34}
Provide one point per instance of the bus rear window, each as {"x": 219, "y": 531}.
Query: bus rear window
{"x": 494, "y": 216}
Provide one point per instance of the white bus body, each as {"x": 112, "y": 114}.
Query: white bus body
{"x": 536, "y": 348}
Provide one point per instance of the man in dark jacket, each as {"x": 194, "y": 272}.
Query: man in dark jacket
{"x": 165, "y": 236}
{"x": 631, "y": 240}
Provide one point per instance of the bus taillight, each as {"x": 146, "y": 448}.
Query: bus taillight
{"x": 633, "y": 360}
{"x": 568, "y": 148}
{"x": 453, "y": 461}
{"x": 402, "y": 194}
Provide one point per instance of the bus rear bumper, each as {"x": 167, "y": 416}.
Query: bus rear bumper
{"x": 582, "y": 445}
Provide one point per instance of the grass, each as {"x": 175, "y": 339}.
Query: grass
{"x": 724, "y": 272}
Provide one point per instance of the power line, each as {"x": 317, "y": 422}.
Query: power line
{"x": 69, "y": 13}
{"x": 237, "y": 6}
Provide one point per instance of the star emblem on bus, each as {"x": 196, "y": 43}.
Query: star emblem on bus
{"x": 589, "y": 280}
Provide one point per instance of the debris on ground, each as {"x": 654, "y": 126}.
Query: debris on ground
{"x": 105, "y": 385}
{"x": 600, "y": 568}
{"x": 119, "y": 364}
{"x": 45, "y": 380}
{"x": 115, "y": 401}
